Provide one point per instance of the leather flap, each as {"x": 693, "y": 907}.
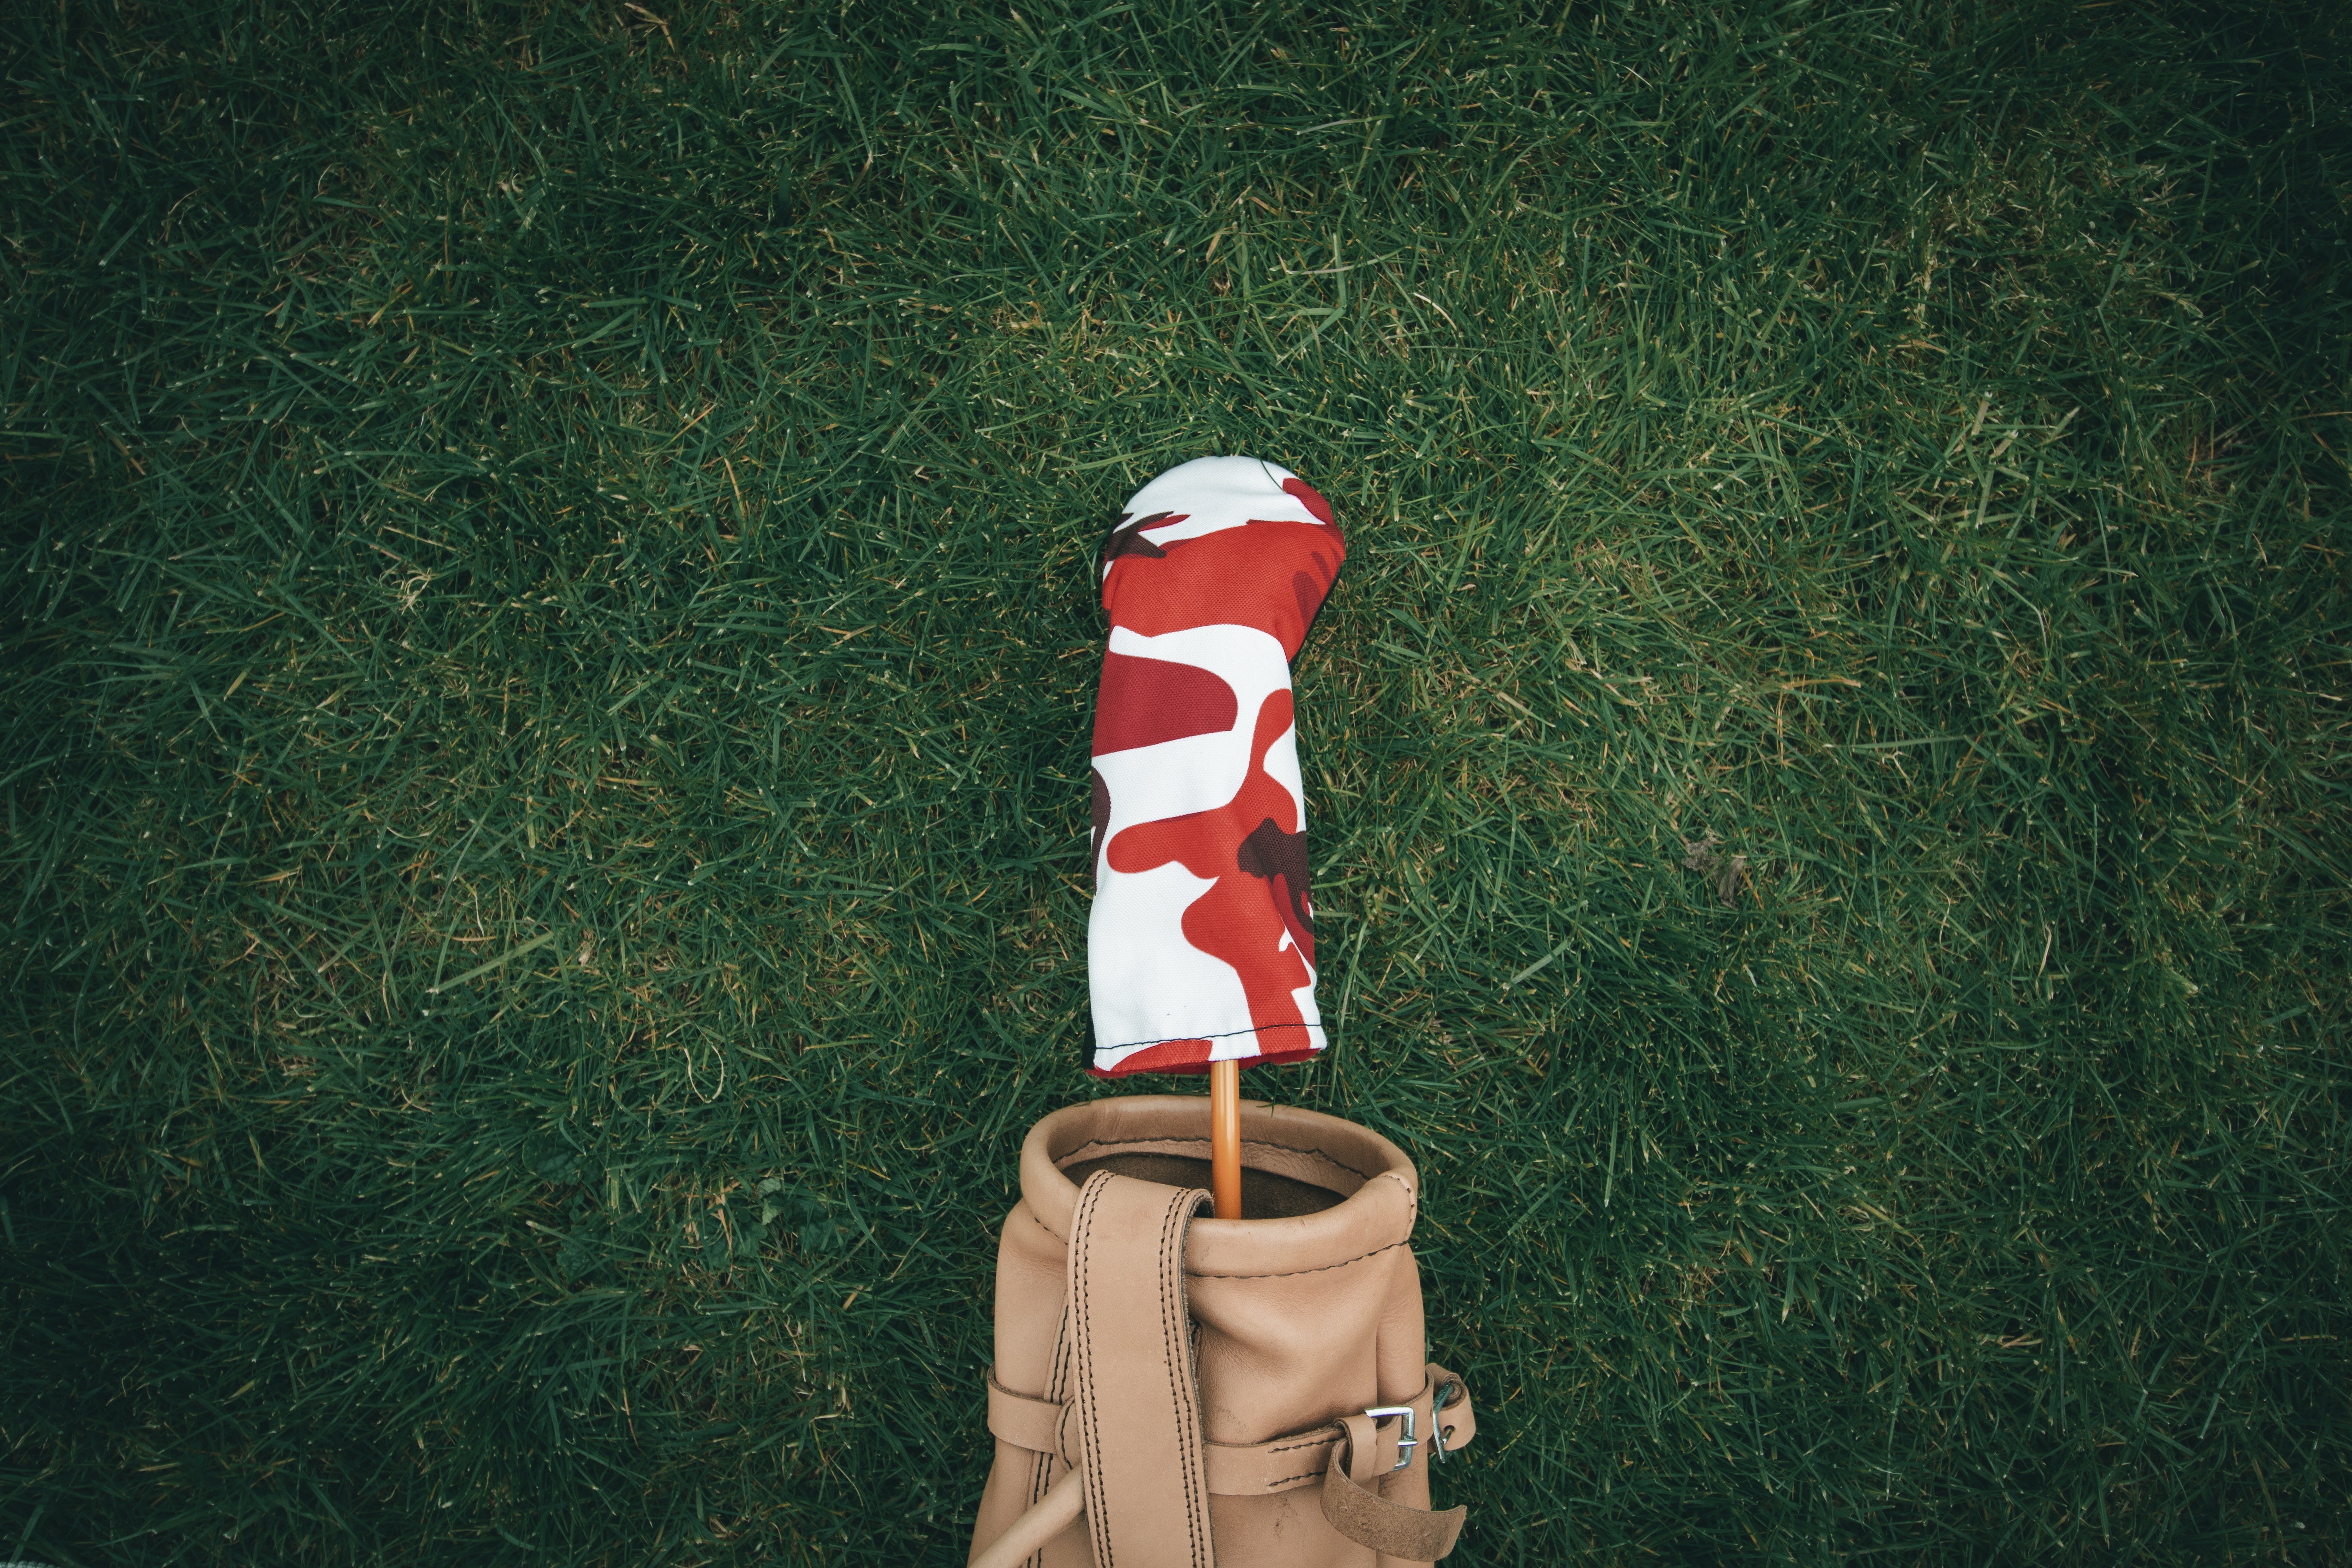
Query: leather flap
{"x": 1026, "y": 1422}
{"x": 1251, "y": 1470}
{"x": 1367, "y": 1519}
{"x": 1136, "y": 1406}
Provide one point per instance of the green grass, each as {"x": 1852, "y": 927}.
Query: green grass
{"x": 548, "y": 670}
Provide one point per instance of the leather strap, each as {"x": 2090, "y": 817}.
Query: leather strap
{"x": 1136, "y": 1407}
{"x": 1239, "y": 1469}
{"x": 1040, "y": 1425}
{"x": 1367, "y": 1519}
{"x": 1286, "y": 1464}
{"x": 1131, "y": 1429}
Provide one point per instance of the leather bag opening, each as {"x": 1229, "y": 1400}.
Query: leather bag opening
{"x": 1265, "y": 1194}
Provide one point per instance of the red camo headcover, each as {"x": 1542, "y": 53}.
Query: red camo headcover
{"x": 1201, "y": 946}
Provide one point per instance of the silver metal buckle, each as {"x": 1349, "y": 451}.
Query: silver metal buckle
{"x": 1406, "y": 1443}
{"x": 1437, "y": 1402}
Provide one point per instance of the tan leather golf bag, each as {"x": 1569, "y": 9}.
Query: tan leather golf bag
{"x": 1177, "y": 1391}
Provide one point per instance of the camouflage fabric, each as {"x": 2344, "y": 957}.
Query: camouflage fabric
{"x": 1202, "y": 944}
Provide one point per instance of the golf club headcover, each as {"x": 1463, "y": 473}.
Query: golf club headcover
{"x": 1201, "y": 947}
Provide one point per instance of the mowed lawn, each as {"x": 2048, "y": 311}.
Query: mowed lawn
{"x": 548, "y": 663}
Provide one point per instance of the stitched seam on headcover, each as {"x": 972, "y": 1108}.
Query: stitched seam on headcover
{"x": 1295, "y": 1273}
{"x": 1224, "y": 1035}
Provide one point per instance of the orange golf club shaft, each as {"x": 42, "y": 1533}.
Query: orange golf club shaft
{"x": 1225, "y": 1138}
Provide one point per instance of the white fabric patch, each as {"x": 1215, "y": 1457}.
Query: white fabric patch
{"x": 1147, "y": 982}
{"x": 1198, "y": 772}
{"x": 1216, "y": 493}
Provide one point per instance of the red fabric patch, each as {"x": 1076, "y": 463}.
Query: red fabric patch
{"x": 1147, "y": 701}
{"x": 1309, "y": 498}
{"x": 1247, "y": 576}
{"x": 1244, "y": 917}
{"x": 1168, "y": 1056}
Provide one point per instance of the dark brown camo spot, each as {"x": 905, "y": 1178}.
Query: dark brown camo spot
{"x": 1129, "y": 539}
{"x": 1269, "y": 852}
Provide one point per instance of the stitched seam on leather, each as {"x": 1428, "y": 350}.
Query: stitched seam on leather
{"x": 1412, "y": 1198}
{"x": 1057, "y": 1385}
{"x": 1090, "y": 1377}
{"x": 1173, "y": 1219}
{"x": 1196, "y": 1450}
{"x": 1172, "y": 1271}
{"x": 1302, "y": 1476}
{"x": 1295, "y": 1273}
{"x": 1176, "y": 1404}
{"x": 1098, "y": 1507}
{"x": 1093, "y": 1382}
{"x": 1073, "y": 1306}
